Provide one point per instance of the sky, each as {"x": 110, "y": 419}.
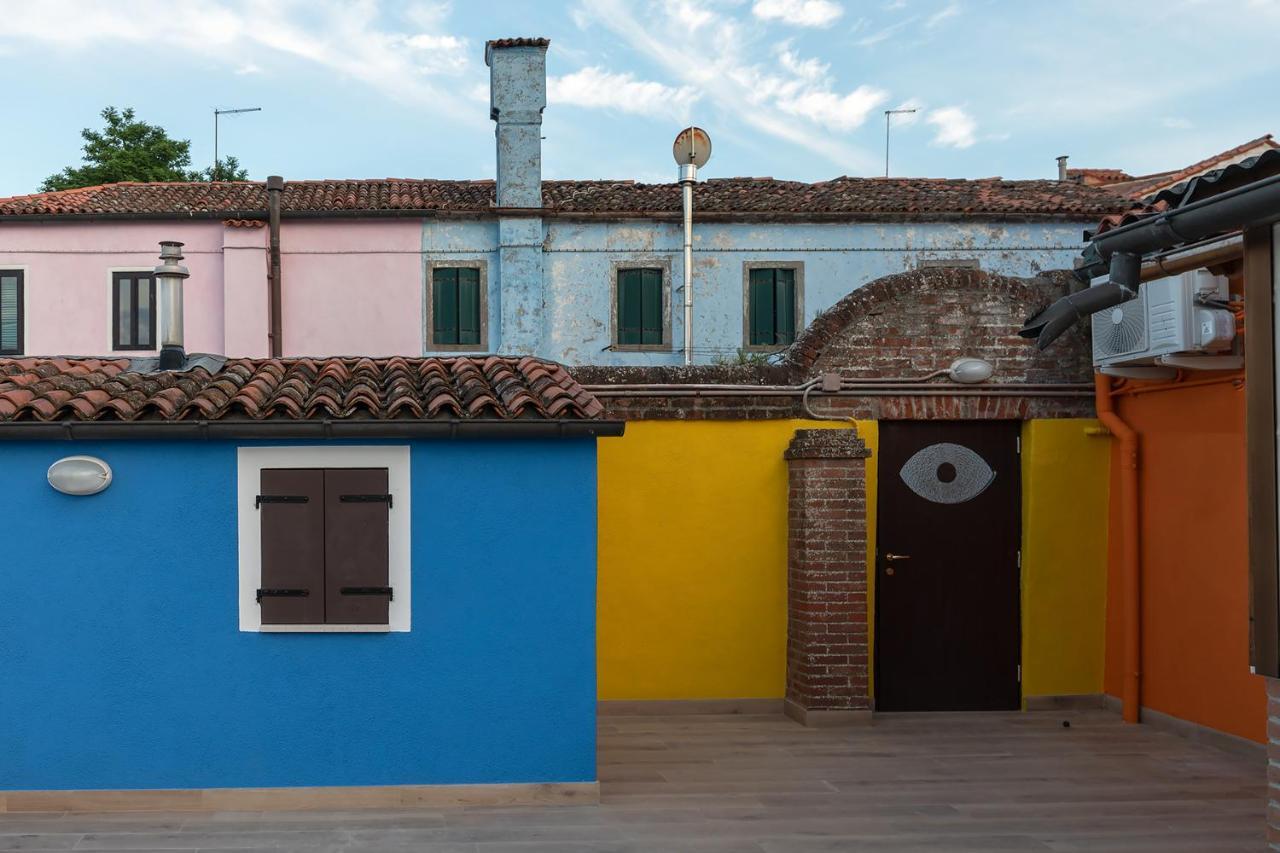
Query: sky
{"x": 792, "y": 89}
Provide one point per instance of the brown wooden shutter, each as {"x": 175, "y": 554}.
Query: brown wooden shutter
{"x": 357, "y": 508}
{"x": 291, "y": 503}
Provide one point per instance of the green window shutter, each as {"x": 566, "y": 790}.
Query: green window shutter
{"x": 444, "y": 306}
{"x": 10, "y": 314}
{"x": 651, "y": 311}
{"x": 785, "y": 301}
{"x": 760, "y": 306}
{"x": 469, "y": 306}
{"x": 630, "y": 287}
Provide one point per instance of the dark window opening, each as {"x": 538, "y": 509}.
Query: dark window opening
{"x": 640, "y": 307}
{"x": 455, "y": 306}
{"x": 771, "y": 301}
{"x": 133, "y": 311}
{"x": 11, "y": 312}
{"x": 325, "y": 546}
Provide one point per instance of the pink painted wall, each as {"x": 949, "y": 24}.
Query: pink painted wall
{"x": 352, "y": 287}
{"x": 68, "y": 279}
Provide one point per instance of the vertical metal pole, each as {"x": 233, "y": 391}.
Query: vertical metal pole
{"x": 215, "y": 146}
{"x": 886, "y": 143}
{"x": 688, "y": 174}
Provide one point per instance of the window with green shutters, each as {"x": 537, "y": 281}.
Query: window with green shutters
{"x": 455, "y": 306}
{"x": 771, "y": 301}
{"x": 640, "y": 307}
{"x": 11, "y": 312}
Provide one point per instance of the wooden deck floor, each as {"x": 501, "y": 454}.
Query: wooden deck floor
{"x": 988, "y": 782}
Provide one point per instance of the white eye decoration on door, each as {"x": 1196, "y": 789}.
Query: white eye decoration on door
{"x": 947, "y": 473}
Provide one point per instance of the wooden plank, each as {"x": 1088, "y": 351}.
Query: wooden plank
{"x": 1260, "y": 451}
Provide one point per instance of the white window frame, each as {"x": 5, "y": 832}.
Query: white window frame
{"x": 249, "y": 464}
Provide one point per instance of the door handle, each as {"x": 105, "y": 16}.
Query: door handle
{"x": 894, "y": 557}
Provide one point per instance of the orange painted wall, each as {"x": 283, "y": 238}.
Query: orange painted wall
{"x": 1195, "y": 576}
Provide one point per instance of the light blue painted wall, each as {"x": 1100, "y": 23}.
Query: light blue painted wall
{"x": 123, "y": 666}
{"x": 568, "y": 296}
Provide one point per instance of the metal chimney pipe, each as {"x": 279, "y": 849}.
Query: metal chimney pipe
{"x": 170, "y": 274}
{"x": 1062, "y": 167}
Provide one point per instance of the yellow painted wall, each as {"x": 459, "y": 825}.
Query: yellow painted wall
{"x": 693, "y": 554}
{"x": 1065, "y": 486}
{"x": 693, "y": 558}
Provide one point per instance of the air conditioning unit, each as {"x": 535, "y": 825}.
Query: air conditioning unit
{"x": 1178, "y": 321}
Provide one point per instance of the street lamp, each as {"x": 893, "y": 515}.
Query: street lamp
{"x": 692, "y": 150}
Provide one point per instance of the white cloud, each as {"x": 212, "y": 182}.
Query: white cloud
{"x": 594, "y": 87}
{"x": 783, "y": 96}
{"x": 1176, "y": 123}
{"x": 349, "y": 39}
{"x": 884, "y": 33}
{"x": 951, "y": 10}
{"x": 799, "y": 13}
{"x": 955, "y": 127}
{"x": 249, "y": 68}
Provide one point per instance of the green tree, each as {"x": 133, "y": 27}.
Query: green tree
{"x": 127, "y": 149}
{"x": 229, "y": 169}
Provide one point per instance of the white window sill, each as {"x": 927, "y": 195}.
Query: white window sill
{"x": 324, "y": 629}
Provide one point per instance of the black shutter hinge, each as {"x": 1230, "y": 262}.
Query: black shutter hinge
{"x": 279, "y": 499}
{"x": 282, "y": 593}
{"x": 368, "y": 590}
{"x": 366, "y": 499}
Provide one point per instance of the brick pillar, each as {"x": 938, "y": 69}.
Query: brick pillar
{"x": 827, "y": 578}
{"x": 1273, "y": 763}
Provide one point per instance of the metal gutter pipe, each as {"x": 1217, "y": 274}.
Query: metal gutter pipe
{"x": 275, "y": 335}
{"x": 325, "y": 429}
{"x": 1257, "y": 203}
{"x": 1130, "y": 557}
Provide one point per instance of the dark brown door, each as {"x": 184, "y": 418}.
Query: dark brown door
{"x": 948, "y": 630}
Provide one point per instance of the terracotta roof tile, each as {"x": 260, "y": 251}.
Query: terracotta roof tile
{"x": 495, "y": 387}
{"x": 761, "y": 198}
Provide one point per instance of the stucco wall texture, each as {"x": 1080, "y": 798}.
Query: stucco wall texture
{"x": 359, "y": 287}
{"x": 124, "y": 666}
{"x": 1195, "y": 567}
{"x": 693, "y": 557}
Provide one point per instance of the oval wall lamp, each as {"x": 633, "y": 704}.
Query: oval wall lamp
{"x": 970, "y": 371}
{"x": 79, "y": 475}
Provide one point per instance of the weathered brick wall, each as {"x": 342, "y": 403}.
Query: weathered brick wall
{"x": 827, "y": 626}
{"x": 904, "y": 325}
{"x": 916, "y": 322}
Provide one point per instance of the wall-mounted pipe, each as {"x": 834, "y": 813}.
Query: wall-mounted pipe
{"x": 1252, "y": 204}
{"x": 275, "y": 334}
{"x": 1130, "y": 558}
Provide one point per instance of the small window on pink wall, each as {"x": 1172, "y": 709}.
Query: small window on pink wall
{"x": 133, "y": 311}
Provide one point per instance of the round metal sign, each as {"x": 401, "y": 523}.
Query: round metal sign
{"x": 692, "y": 147}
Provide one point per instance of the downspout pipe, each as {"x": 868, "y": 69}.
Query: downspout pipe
{"x": 1130, "y": 531}
{"x": 275, "y": 335}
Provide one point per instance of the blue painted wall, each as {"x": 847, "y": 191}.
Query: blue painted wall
{"x": 122, "y": 666}
{"x": 559, "y": 305}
